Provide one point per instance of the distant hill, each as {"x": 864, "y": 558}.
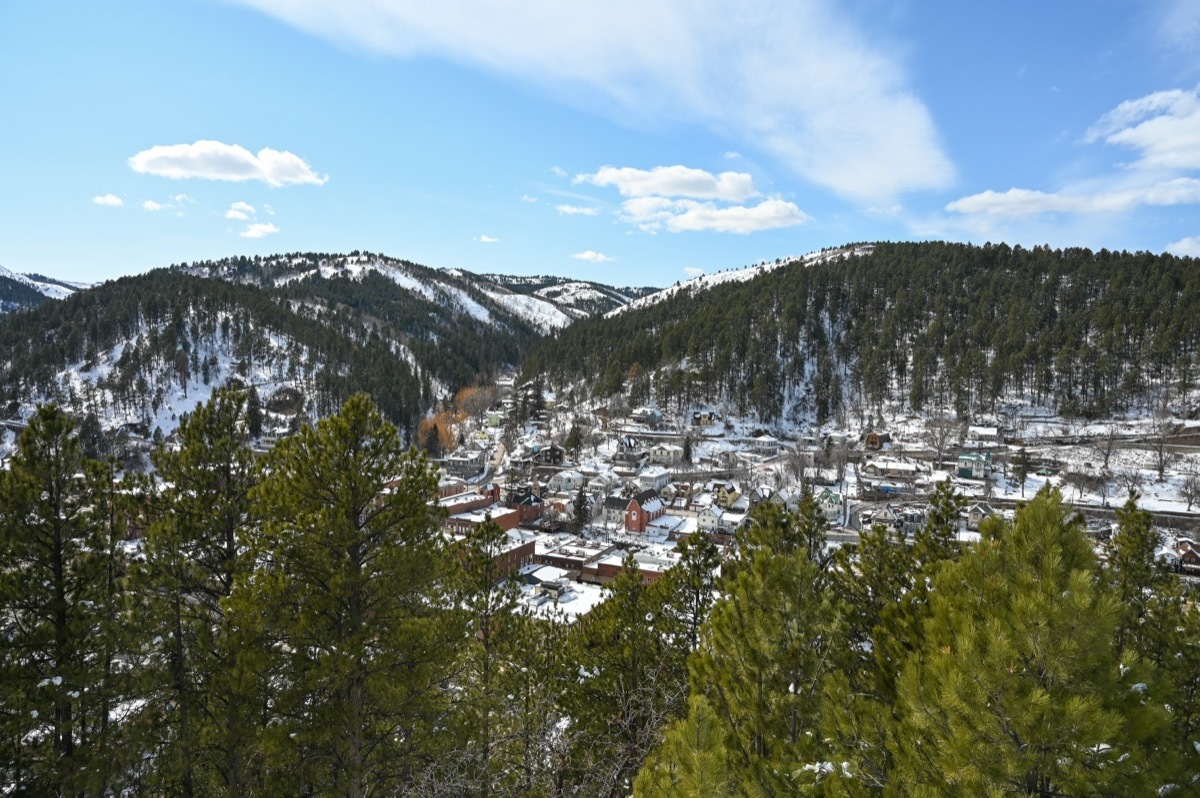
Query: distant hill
{"x": 18, "y": 291}
{"x": 927, "y": 325}
{"x": 145, "y": 348}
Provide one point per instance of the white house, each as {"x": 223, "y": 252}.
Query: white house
{"x": 565, "y": 482}
{"x": 654, "y": 478}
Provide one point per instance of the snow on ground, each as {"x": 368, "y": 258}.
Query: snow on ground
{"x": 540, "y": 313}
{"x": 52, "y": 290}
{"x": 708, "y": 281}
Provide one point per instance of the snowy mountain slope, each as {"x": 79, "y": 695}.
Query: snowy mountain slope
{"x": 18, "y": 291}
{"x": 708, "y": 281}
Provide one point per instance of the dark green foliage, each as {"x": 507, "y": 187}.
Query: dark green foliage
{"x": 204, "y": 667}
{"x": 933, "y": 323}
{"x": 1019, "y": 661}
{"x": 349, "y": 585}
{"x": 60, "y": 597}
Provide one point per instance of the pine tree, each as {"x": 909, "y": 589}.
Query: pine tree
{"x": 581, "y": 510}
{"x": 351, "y": 569}
{"x": 766, "y": 653}
{"x": 1021, "y": 468}
{"x": 196, "y": 549}
{"x": 1017, "y": 687}
{"x": 692, "y": 761}
{"x": 60, "y": 598}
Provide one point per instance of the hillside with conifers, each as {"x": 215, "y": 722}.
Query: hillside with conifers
{"x": 299, "y": 625}
{"x": 926, "y": 325}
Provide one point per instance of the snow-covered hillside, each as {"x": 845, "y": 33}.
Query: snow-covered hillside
{"x": 54, "y": 289}
{"x": 708, "y": 281}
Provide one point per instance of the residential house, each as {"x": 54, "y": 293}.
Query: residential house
{"x": 647, "y": 416}
{"x": 653, "y": 478}
{"x": 569, "y": 481}
{"x": 550, "y": 454}
{"x": 612, "y": 511}
{"x": 874, "y": 441}
{"x": 983, "y": 434}
{"x": 787, "y": 498}
{"x": 708, "y": 521}
{"x": 528, "y": 504}
{"x": 723, "y": 493}
{"x": 973, "y": 465}
{"x": 705, "y": 418}
{"x": 466, "y": 462}
{"x": 666, "y": 454}
{"x": 830, "y": 504}
{"x": 977, "y": 512}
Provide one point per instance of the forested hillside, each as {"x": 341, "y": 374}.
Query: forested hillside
{"x": 929, "y": 324}
{"x": 144, "y": 349}
{"x": 125, "y": 349}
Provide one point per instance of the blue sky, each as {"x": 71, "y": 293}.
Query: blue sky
{"x": 621, "y": 141}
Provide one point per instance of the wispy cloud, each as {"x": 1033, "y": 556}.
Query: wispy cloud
{"x": 575, "y": 210}
{"x": 558, "y": 171}
{"x": 259, "y": 230}
{"x": 591, "y": 256}
{"x": 109, "y": 200}
{"x": 528, "y": 198}
{"x": 214, "y": 160}
{"x": 1163, "y": 131}
{"x": 486, "y": 239}
{"x": 692, "y": 271}
{"x": 154, "y": 207}
{"x": 242, "y": 211}
{"x": 799, "y": 80}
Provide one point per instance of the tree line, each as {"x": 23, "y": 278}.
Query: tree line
{"x": 929, "y": 324}
{"x": 299, "y": 625}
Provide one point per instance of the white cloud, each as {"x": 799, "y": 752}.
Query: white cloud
{"x": 110, "y": 200}
{"x": 153, "y": 206}
{"x": 259, "y": 230}
{"x": 1189, "y": 247}
{"x": 673, "y": 181}
{"x": 732, "y": 155}
{"x": 528, "y": 198}
{"x": 1163, "y": 128}
{"x": 800, "y": 80}
{"x": 486, "y": 239}
{"x": 558, "y": 171}
{"x": 243, "y": 211}
{"x": 1025, "y": 202}
{"x": 654, "y": 213}
{"x": 213, "y": 160}
{"x": 692, "y": 271}
{"x": 182, "y": 198}
{"x": 575, "y": 210}
{"x": 592, "y": 256}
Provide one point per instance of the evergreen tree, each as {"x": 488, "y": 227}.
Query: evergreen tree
{"x": 687, "y": 449}
{"x": 765, "y": 654}
{"x": 1017, "y": 687}
{"x": 254, "y": 413}
{"x": 581, "y": 510}
{"x": 348, "y": 587}
{"x": 1021, "y": 468}
{"x": 202, "y": 665}
{"x": 60, "y": 598}
{"x": 692, "y": 761}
